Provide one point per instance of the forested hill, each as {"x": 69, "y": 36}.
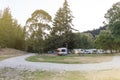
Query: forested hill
{"x": 96, "y": 31}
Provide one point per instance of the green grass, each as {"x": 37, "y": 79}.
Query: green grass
{"x": 53, "y": 59}
{"x": 72, "y": 58}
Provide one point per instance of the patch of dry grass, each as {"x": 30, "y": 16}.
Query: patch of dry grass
{"x": 113, "y": 74}
{"x": 15, "y": 74}
{"x": 8, "y": 52}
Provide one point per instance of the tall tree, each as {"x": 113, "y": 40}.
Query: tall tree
{"x": 19, "y": 36}
{"x": 36, "y": 29}
{"x": 113, "y": 14}
{"x": 113, "y": 17}
{"x": 8, "y": 31}
{"x": 62, "y": 26}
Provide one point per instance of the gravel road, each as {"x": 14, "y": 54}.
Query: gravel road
{"x": 21, "y": 63}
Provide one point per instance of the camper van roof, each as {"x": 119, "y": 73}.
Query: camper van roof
{"x": 62, "y": 48}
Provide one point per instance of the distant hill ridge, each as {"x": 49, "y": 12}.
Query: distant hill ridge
{"x": 96, "y": 32}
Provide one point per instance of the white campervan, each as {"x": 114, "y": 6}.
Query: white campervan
{"x": 62, "y": 51}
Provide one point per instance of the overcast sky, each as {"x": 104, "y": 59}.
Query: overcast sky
{"x": 89, "y": 14}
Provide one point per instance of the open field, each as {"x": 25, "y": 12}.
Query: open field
{"x": 72, "y": 59}
{"x": 14, "y": 74}
{"x": 8, "y": 52}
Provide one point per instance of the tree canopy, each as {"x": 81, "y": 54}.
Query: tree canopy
{"x": 62, "y": 27}
{"x": 11, "y": 33}
{"x": 36, "y": 29}
{"x": 113, "y": 17}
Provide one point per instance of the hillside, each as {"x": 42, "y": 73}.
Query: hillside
{"x": 10, "y": 51}
{"x": 96, "y": 32}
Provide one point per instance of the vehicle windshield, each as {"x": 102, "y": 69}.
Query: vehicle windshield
{"x": 63, "y": 50}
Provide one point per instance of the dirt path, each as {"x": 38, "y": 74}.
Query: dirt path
{"x": 21, "y": 63}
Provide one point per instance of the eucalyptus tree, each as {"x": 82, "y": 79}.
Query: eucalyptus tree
{"x": 37, "y": 27}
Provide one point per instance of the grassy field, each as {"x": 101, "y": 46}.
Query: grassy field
{"x": 72, "y": 59}
{"x": 14, "y": 74}
{"x": 8, "y": 52}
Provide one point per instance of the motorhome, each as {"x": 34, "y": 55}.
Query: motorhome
{"x": 62, "y": 51}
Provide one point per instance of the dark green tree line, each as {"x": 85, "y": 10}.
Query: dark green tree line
{"x": 83, "y": 40}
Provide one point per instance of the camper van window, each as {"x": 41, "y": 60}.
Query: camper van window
{"x": 63, "y": 50}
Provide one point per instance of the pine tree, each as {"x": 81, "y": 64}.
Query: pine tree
{"x": 9, "y": 31}
{"x": 62, "y": 26}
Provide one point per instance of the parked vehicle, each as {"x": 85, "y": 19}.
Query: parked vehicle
{"x": 90, "y": 51}
{"x": 62, "y": 51}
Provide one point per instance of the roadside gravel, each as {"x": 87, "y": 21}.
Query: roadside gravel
{"x": 21, "y": 63}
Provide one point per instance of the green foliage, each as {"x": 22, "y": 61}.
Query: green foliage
{"x": 11, "y": 34}
{"x": 53, "y": 42}
{"x": 83, "y": 40}
{"x": 115, "y": 29}
{"x": 86, "y": 42}
{"x": 113, "y": 17}
{"x": 105, "y": 41}
{"x": 36, "y": 28}
{"x": 63, "y": 20}
{"x": 113, "y": 14}
{"x": 115, "y": 32}
{"x": 62, "y": 27}
{"x": 78, "y": 40}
